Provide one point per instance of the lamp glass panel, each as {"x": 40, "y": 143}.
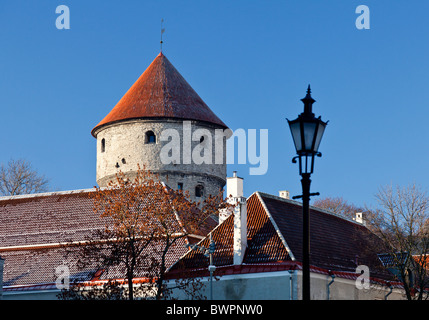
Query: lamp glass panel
{"x": 309, "y": 132}
{"x": 320, "y": 131}
{"x": 295, "y": 129}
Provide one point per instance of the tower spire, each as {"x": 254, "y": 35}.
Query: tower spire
{"x": 162, "y": 31}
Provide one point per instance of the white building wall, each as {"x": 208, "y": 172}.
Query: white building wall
{"x": 281, "y": 285}
{"x": 285, "y": 285}
{"x": 32, "y": 295}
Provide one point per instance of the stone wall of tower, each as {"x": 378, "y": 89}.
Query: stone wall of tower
{"x": 123, "y": 146}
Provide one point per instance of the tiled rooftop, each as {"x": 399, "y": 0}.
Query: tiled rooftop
{"x": 275, "y": 236}
{"x": 35, "y": 228}
{"x": 161, "y": 92}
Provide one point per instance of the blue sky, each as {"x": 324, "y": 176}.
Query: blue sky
{"x": 250, "y": 61}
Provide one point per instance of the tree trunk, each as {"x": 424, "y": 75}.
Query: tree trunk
{"x": 160, "y": 281}
{"x": 130, "y": 286}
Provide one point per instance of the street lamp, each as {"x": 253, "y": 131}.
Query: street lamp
{"x": 307, "y": 132}
{"x": 208, "y": 252}
{"x": 212, "y": 267}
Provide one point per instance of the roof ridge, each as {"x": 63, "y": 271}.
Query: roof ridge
{"x": 311, "y": 207}
{"x": 45, "y": 194}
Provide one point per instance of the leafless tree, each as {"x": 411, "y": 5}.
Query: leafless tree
{"x": 145, "y": 222}
{"x": 18, "y": 177}
{"x": 401, "y": 221}
{"x": 338, "y": 206}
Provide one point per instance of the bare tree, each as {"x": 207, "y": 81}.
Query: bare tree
{"x": 338, "y": 206}
{"x": 18, "y": 177}
{"x": 145, "y": 222}
{"x": 401, "y": 221}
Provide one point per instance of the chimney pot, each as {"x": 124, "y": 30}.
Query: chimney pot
{"x": 284, "y": 194}
{"x": 234, "y": 186}
{"x": 359, "y": 218}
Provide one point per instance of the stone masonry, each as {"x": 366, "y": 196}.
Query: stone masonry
{"x": 125, "y": 147}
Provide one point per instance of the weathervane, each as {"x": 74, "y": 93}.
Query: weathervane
{"x": 162, "y": 31}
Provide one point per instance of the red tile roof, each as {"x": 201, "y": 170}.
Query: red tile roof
{"x": 263, "y": 244}
{"x": 275, "y": 236}
{"x": 160, "y": 92}
{"x": 35, "y": 224}
{"x": 336, "y": 243}
{"x": 423, "y": 260}
{"x": 35, "y": 228}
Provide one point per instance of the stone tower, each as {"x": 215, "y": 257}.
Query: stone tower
{"x": 162, "y": 124}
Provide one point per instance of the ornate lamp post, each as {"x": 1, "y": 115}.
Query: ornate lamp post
{"x": 307, "y": 132}
{"x": 208, "y": 252}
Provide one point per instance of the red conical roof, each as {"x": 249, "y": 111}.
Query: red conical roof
{"x": 160, "y": 92}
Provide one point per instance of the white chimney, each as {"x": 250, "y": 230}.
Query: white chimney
{"x": 234, "y": 186}
{"x": 359, "y": 218}
{"x": 234, "y": 193}
{"x": 234, "y": 190}
{"x": 240, "y": 230}
{"x": 284, "y": 194}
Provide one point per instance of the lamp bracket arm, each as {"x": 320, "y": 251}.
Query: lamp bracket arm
{"x": 311, "y": 195}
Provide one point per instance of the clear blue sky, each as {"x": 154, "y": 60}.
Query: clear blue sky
{"x": 250, "y": 61}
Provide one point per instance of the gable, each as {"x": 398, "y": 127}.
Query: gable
{"x": 263, "y": 242}
{"x": 274, "y": 235}
{"x": 336, "y": 243}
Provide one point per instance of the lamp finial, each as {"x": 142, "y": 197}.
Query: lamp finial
{"x": 308, "y": 102}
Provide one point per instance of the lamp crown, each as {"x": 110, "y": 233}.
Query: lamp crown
{"x": 308, "y": 103}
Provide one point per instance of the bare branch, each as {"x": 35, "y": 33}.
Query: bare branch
{"x": 401, "y": 221}
{"x": 147, "y": 220}
{"x": 18, "y": 177}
